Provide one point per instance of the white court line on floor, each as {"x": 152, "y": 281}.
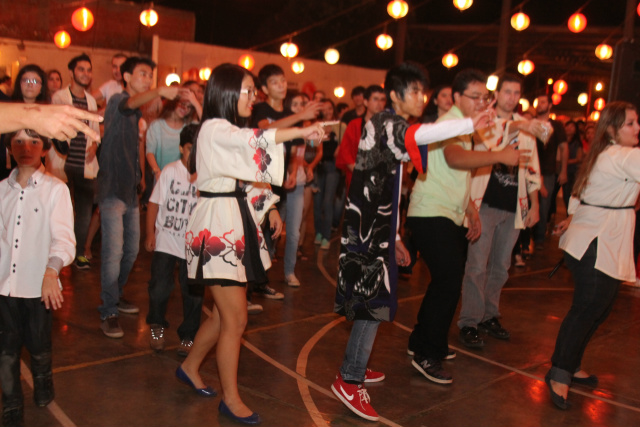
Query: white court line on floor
{"x": 53, "y": 407}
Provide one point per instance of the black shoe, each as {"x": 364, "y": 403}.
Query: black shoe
{"x": 557, "y": 400}
{"x": 590, "y": 381}
{"x": 494, "y": 328}
{"x": 13, "y": 417}
{"x": 431, "y": 369}
{"x": 43, "y": 389}
{"x": 470, "y": 338}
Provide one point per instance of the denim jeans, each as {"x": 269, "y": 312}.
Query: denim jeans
{"x": 160, "y": 288}
{"x": 295, "y": 204}
{"x": 443, "y": 246}
{"x": 328, "y": 178}
{"x": 120, "y": 244}
{"x": 540, "y": 229}
{"x": 487, "y": 268}
{"x": 593, "y": 299}
{"x": 356, "y": 356}
{"x": 82, "y": 191}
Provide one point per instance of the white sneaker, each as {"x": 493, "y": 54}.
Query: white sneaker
{"x": 254, "y": 308}
{"x": 519, "y": 261}
{"x": 292, "y": 281}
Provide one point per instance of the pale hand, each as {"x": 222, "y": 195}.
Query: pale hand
{"x": 169, "y": 92}
{"x": 275, "y": 222}
{"x": 62, "y": 122}
{"x": 403, "y": 258}
{"x": 51, "y": 293}
{"x": 314, "y": 132}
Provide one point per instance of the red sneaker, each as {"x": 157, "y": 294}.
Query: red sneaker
{"x": 355, "y": 397}
{"x": 373, "y": 376}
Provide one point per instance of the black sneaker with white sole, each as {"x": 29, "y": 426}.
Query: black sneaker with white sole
{"x": 494, "y": 328}
{"x": 431, "y": 369}
{"x": 451, "y": 353}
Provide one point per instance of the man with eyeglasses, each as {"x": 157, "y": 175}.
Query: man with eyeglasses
{"x": 439, "y": 204}
{"x": 501, "y": 194}
{"x": 81, "y": 165}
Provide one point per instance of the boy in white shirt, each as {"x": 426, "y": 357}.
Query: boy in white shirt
{"x": 170, "y": 206}
{"x": 36, "y": 241}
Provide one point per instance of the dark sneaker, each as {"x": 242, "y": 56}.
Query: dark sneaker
{"x": 156, "y": 338}
{"x": 82, "y": 263}
{"x": 451, "y": 354}
{"x": 494, "y": 328}
{"x": 469, "y": 337}
{"x": 268, "y": 292}
{"x": 355, "y": 397}
{"x": 111, "y": 327}
{"x": 431, "y": 369}
{"x": 185, "y": 347}
{"x": 13, "y": 417}
{"x": 126, "y": 307}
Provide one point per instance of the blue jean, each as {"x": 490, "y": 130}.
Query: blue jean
{"x": 593, "y": 299}
{"x": 356, "y": 356}
{"x": 120, "y": 244}
{"x": 487, "y": 268}
{"x": 328, "y": 178}
{"x": 540, "y": 229}
{"x": 294, "y": 206}
{"x": 160, "y": 288}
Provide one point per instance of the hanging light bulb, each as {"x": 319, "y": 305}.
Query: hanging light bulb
{"x": 524, "y": 103}
{"x": 339, "y": 92}
{"x": 384, "y": 41}
{"x": 549, "y": 81}
{"x": 450, "y": 60}
{"x": 246, "y": 61}
{"x": 560, "y": 87}
{"x": 332, "y": 56}
{"x": 595, "y": 116}
{"x": 172, "y": 78}
{"x": 492, "y": 82}
{"x": 556, "y": 98}
{"x": 297, "y": 67}
{"x": 462, "y": 4}
{"x": 397, "y": 9}
{"x": 553, "y": 116}
{"x": 204, "y": 73}
{"x": 82, "y": 19}
{"x": 583, "y": 98}
{"x": 520, "y": 21}
{"x": 599, "y": 86}
{"x": 149, "y": 17}
{"x": 289, "y": 50}
{"x": 62, "y": 39}
{"x": 577, "y": 22}
{"x": 526, "y": 67}
{"x": 599, "y": 104}
{"x": 604, "y": 51}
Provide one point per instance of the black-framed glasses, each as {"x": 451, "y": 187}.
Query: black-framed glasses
{"x": 483, "y": 99}
{"x": 250, "y": 91}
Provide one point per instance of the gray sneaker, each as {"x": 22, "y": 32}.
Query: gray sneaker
{"x": 111, "y": 327}
{"x": 156, "y": 338}
{"x": 125, "y": 306}
{"x": 268, "y": 292}
{"x": 185, "y": 347}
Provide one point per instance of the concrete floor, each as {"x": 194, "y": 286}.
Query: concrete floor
{"x": 292, "y": 352}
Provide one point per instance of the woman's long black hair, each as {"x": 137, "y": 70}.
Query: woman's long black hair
{"x": 17, "y": 90}
{"x": 221, "y": 100}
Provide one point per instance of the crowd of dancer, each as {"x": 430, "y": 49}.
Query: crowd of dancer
{"x": 223, "y": 169}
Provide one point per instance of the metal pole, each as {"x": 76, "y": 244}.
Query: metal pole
{"x": 627, "y": 33}
{"x": 402, "y": 35}
{"x": 503, "y": 39}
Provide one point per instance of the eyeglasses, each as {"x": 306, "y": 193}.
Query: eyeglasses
{"x": 34, "y": 82}
{"x": 251, "y": 92}
{"x": 479, "y": 98}
{"x": 186, "y": 105}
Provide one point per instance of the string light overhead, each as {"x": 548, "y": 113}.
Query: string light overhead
{"x": 599, "y": 86}
{"x": 62, "y": 39}
{"x": 246, "y": 61}
{"x": 289, "y": 50}
{"x": 297, "y": 67}
{"x": 397, "y": 9}
{"x": 172, "y": 78}
{"x": 492, "y": 82}
{"x": 339, "y": 92}
{"x": 384, "y": 41}
{"x": 204, "y": 73}
{"x": 520, "y": 21}
{"x": 526, "y": 67}
{"x": 450, "y": 60}
{"x": 332, "y": 56}
{"x": 583, "y": 98}
{"x": 82, "y": 19}
{"x": 560, "y": 87}
{"x": 604, "y": 51}
{"x": 524, "y": 103}
{"x": 556, "y": 98}
{"x": 599, "y": 104}
{"x": 149, "y": 17}
{"x": 462, "y": 4}
{"x": 595, "y": 116}
{"x": 577, "y": 22}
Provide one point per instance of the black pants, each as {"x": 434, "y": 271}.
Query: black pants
{"x": 593, "y": 299}
{"x": 23, "y": 321}
{"x": 160, "y": 288}
{"x": 443, "y": 246}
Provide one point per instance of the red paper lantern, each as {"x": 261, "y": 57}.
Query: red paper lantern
{"x": 62, "y": 39}
{"x": 560, "y": 87}
{"x": 82, "y": 19}
{"x": 577, "y": 22}
{"x": 556, "y": 98}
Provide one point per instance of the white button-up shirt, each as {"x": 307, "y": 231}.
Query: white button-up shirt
{"x": 36, "y": 232}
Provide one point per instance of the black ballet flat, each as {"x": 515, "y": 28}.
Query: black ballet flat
{"x": 590, "y": 381}
{"x": 557, "y": 400}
